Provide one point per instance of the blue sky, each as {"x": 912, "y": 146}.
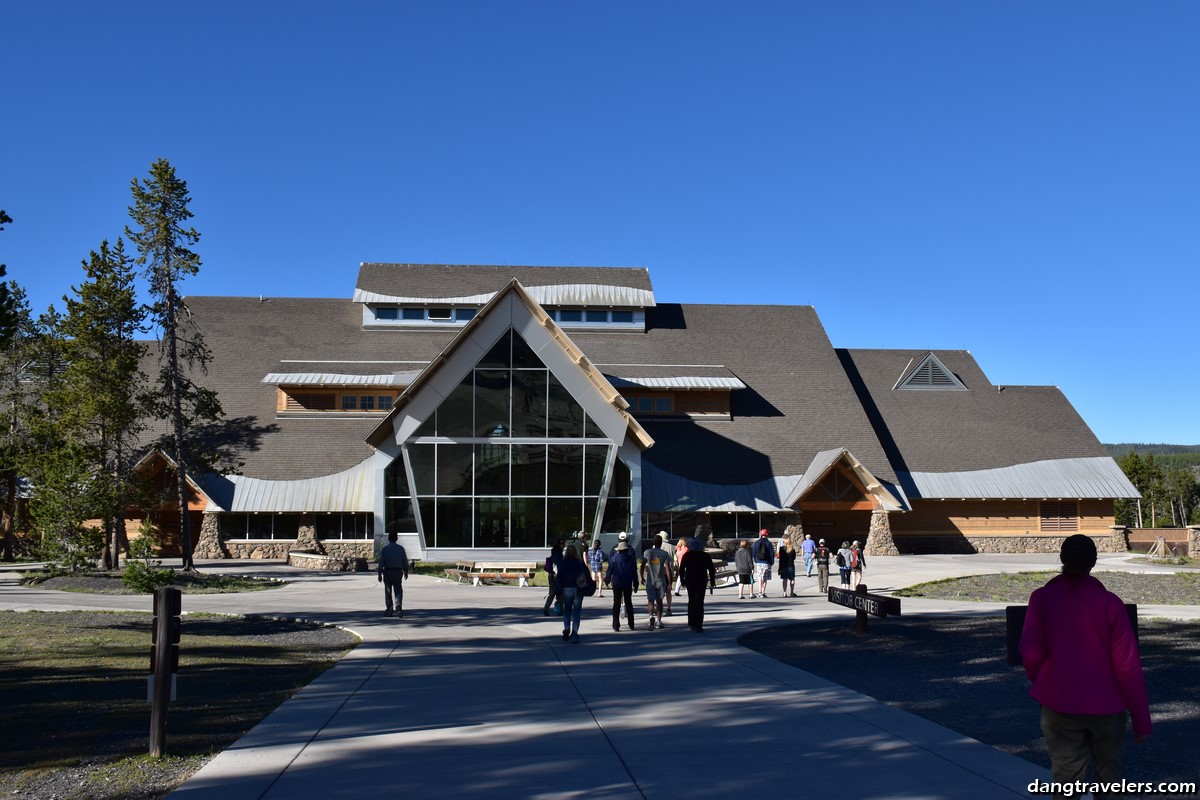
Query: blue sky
{"x": 1018, "y": 179}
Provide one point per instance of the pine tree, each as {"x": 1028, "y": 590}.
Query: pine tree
{"x": 102, "y": 394}
{"x": 17, "y": 396}
{"x": 160, "y": 210}
{"x": 8, "y": 308}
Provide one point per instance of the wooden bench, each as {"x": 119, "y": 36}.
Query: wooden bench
{"x": 479, "y": 571}
{"x": 462, "y": 569}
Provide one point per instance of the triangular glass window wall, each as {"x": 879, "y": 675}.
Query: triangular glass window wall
{"x": 509, "y": 459}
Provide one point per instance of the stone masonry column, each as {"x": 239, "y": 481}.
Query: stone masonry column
{"x": 306, "y": 536}
{"x": 209, "y": 544}
{"x": 795, "y": 535}
{"x": 1193, "y": 541}
{"x": 879, "y": 539}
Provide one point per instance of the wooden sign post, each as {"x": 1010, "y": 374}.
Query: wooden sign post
{"x": 874, "y": 604}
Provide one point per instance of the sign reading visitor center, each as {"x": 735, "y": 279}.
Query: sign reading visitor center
{"x": 876, "y": 605}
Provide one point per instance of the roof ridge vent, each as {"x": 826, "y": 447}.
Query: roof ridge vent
{"x": 931, "y": 373}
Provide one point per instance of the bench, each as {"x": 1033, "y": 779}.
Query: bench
{"x": 479, "y": 571}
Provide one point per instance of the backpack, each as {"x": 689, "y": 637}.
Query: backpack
{"x": 762, "y": 550}
{"x": 854, "y": 559}
{"x": 841, "y": 559}
{"x": 549, "y": 565}
{"x": 585, "y": 584}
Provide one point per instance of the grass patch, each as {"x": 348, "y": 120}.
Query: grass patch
{"x": 186, "y": 582}
{"x": 74, "y": 696}
{"x": 1181, "y": 588}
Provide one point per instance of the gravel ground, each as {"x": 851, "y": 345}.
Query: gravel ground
{"x": 1181, "y": 588}
{"x": 112, "y": 764}
{"x": 953, "y": 671}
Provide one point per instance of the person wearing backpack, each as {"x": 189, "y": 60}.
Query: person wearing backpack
{"x": 822, "y": 558}
{"x": 764, "y": 558}
{"x": 858, "y": 562}
{"x": 743, "y": 562}
{"x": 843, "y": 562}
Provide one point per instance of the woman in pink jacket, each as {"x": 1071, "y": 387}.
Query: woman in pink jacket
{"x": 1080, "y": 652}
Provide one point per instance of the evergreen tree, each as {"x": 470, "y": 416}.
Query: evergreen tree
{"x": 17, "y": 396}
{"x": 62, "y": 487}
{"x": 8, "y": 308}
{"x": 102, "y": 394}
{"x": 163, "y": 239}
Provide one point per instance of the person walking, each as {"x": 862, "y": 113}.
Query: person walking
{"x": 553, "y": 562}
{"x": 808, "y": 549}
{"x": 787, "y": 567}
{"x": 1081, "y": 655}
{"x": 743, "y": 563}
{"x": 656, "y": 577}
{"x": 764, "y": 558}
{"x": 393, "y": 571}
{"x": 696, "y": 570}
{"x": 567, "y": 578}
{"x": 596, "y": 560}
{"x": 681, "y": 548}
{"x": 821, "y": 556}
{"x": 843, "y": 562}
{"x": 623, "y": 576}
{"x": 858, "y": 562}
{"x": 666, "y": 547}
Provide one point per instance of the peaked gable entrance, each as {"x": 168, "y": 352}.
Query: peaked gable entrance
{"x": 509, "y": 439}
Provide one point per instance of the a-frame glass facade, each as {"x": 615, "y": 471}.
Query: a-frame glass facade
{"x": 509, "y": 459}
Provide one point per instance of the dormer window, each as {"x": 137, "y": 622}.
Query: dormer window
{"x": 441, "y": 314}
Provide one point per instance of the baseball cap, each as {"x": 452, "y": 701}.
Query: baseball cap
{"x": 623, "y": 536}
{"x": 763, "y": 532}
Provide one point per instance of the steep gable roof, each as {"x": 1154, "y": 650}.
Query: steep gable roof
{"x": 543, "y": 333}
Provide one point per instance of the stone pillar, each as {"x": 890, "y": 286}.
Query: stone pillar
{"x": 794, "y": 534}
{"x": 879, "y": 539}
{"x": 1193, "y": 541}
{"x": 306, "y": 536}
{"x": 1118, "y": 540}
{"x": 209, "y": 544}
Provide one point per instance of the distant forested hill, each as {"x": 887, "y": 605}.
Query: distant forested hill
{"x": 1167, "y": 456}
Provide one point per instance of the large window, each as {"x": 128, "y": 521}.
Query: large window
{"x": 260, "y": 526}
{"x": 509, "y": 459}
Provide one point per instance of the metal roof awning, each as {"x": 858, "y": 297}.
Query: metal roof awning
{"x": 577, "y": 294}
{"x": 1097, "y": 477}
{"x": 339, "y": 379}
{"x": 348, "y": 491}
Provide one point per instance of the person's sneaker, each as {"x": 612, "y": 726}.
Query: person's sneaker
{"x": 652, "y": 623}
{"x": 666, "y": 613}
{"x": 631, "y": 626}
{"x": 660, "y": 624}
{"x": 566, "y": 634}
{"x": 400, "y": 614}
{"x": 574, "y": 638}
{"x": 616, "y": 627}
{"x": 387, "y": 613}
{"x": 545, "y": 612}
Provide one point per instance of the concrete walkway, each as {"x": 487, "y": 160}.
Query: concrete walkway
{"x": 474, "y": 692}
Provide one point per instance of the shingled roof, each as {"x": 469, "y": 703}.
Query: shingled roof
{"x": 793, "y": 394}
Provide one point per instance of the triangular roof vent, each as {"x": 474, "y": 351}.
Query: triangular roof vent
{"x": 931, "y": 373}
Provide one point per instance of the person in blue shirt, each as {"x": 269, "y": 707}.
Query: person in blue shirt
{"x": 597, "y": 558}
{"x": 808, "y": 549}
{"x": 622, "y": 575}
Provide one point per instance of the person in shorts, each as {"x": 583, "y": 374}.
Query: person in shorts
{"x": 743, "y": 563}
{"x": 656, "y": 577}
{"x": 764, "y": 558}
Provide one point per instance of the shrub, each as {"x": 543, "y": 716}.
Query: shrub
{"x": 144, "y": 573}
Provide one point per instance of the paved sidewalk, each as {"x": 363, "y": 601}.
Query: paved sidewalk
{"x": 475, "y": 692}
